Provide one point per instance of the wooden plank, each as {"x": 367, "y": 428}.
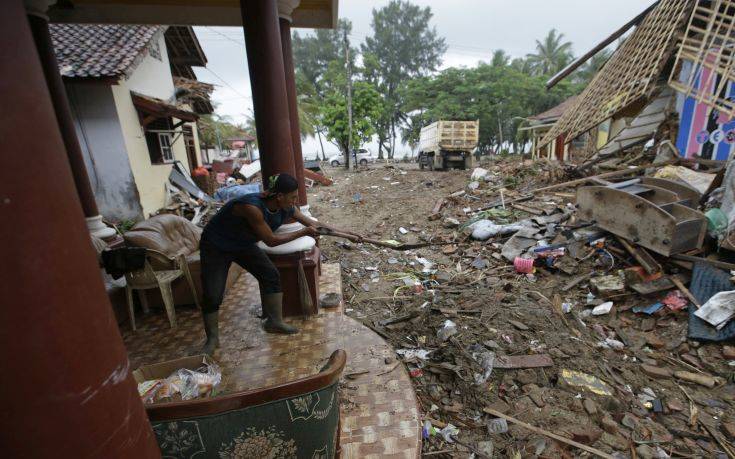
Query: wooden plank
{"x": 523, "y": 361}
{"x": 642, "y": 256}
{"x": 435, "y": 212}
{"x": 717, "y": 263}
{"x": 680, "y": 285}
{"x": 605, "y": 175}
{"x": 537, "y": 430}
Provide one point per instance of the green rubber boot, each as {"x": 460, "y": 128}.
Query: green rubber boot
{"x": 273, "y": 308}
{"x": 211, "y": 328}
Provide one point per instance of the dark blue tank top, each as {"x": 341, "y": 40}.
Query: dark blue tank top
{"x": 229, "y": 232}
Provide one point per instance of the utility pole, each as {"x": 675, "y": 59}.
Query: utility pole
{"x": 349, "y": 100}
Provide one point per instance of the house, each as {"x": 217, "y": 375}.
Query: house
{"x": 242, "y": 146}
{"x": 670, "y": 78}
{"x": 135, "y": 103}
{"x": 540, "y": 124}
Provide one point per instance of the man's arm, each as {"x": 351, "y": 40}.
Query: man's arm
{"x": 310, "y": 222}
{"x": 261, "y": 229}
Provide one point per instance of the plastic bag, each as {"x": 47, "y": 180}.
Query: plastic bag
{"x": 449, "y": 329}
{"x": 486, "y": 359}
{"x": 189, "y": 384}
{"x": 193, "y": 384}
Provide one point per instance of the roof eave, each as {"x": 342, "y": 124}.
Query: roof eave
{"x": 309, "y": 14}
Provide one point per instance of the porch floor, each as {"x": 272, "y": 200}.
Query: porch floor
{"x": 379, "y": 411}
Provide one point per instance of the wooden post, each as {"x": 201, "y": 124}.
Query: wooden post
{"x": 69, "y": 389}
{"x": 268, "y": 83}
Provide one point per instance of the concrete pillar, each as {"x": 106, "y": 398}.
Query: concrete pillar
{"x": 285, "y": 8}
{"x": 268, "y": 82}
{"x": 68, "y": 390}
{"x": 39, "y": 28}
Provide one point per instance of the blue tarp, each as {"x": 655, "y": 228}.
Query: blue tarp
{"x": 706, "y": 282}
{"x": 226, "y": 193}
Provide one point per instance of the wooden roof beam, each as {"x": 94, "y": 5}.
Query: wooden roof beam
{"x": 563, "y": 73}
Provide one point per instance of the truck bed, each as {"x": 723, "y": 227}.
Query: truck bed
{"x": 450, "y": 136}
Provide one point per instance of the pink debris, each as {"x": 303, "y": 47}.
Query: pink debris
{"x": 675, "y": 300}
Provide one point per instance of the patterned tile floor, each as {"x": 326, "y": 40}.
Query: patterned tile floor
{"x": 379, "y": 412}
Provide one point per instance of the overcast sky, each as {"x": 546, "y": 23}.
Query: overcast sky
{"x": 473, "y": 29}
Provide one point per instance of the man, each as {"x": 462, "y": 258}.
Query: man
{"x": 231, "y": 236}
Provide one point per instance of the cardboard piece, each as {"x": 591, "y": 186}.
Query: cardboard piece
{"x": 163, "y": 370}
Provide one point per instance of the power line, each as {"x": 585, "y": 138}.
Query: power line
{"x": 227, "y": 84}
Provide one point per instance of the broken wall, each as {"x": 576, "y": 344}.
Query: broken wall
{"x": 103, "y": 146}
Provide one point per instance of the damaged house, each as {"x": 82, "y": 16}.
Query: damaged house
{"x": 135, "y": 103}
{"x": 670, "y": 85}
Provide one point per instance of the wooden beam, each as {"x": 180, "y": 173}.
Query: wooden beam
{"x": 563, "y": 73}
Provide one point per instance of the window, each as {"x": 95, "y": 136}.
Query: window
{"x": 159, "y": 137}
{"x": 164, "y": 140}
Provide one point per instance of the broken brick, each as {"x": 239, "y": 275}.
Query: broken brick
{"x": 656, "y": 372}
{"x": 728, "y": 352}
{"x": 614, "y": 441}
{"x": 654, "y": 341}
{"x": 585, "y": 434}
{"x": 590, "y": 406}
{"x": 609, "y": 425}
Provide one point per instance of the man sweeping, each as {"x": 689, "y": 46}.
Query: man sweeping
{"x": 232, "y": 236}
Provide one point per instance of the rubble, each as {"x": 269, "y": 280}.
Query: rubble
{"x": 555, "y": 365}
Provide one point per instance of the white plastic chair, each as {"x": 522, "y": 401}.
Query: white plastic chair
{"x": 148, "y": 278}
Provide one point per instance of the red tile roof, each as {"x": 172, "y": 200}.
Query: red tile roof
{"x": 99, "y": 50}
{"x": 554, "y": 113}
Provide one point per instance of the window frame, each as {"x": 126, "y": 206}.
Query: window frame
{"x": 167, "y": 159}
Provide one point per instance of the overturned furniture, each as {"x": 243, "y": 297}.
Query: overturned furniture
{"x": 296, "y": 419}
{"x": 657, "y": 214}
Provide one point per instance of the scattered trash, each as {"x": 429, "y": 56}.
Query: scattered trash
{"x": 602, "y": 309}
{"x": 649, "y": 310}
{"x": 448, "y": 432}
{"x": 479, "y": 173}
{"x": 675, "y": 300}
{"x": 523, "y": 265}
{"x": 413, "y": 355}
{"x": 497, "y": 426}
{"x": 486, "y": 359}
{"x": 578, "y": 380}
{"x": 718, "y": 310}
{"x": 448, "y": 329}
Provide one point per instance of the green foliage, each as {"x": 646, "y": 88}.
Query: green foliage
{"x": 214, "y": 129}
{"x": 499, "y": 97}
{"x": 403, "y": 46}
{"x": 366, "y": 106}
{"x": 552, "y": 54}
{"x": 585, "y": 74}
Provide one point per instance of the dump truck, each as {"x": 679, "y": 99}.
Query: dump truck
{"x": 445, "y": 144}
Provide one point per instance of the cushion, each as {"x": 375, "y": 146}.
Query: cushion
{"x": 302, "y": 244}
{"x": 170, "y": 234}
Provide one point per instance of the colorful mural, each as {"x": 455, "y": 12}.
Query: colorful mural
{"x": 703, "y": 131}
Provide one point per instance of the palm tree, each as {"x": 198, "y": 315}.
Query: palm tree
{"x": 590, "y": 69}
{"x": 552, "y": 55}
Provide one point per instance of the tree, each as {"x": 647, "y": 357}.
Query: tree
{"x": 552, "y": 55}
{"x": 403, "y": 46}
{"x": 214, "y": 129}
{"x": 365, "y": 106}
{"x": 500, "y": 58}
{"x": 499, "y": 97}
{"x": 585, "y": 74}
{"x": 312, "y": 56}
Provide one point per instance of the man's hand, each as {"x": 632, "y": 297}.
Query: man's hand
{"x": 310, "y": 231}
